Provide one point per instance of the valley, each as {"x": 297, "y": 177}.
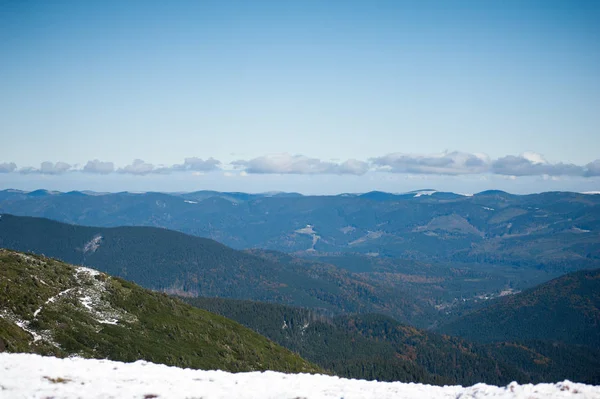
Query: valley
{"x": 436, "y": 288}
{"x": 294, "y": 199}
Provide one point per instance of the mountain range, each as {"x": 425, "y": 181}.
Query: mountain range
{"x": 177, "y": 263}
{"x": 431, "y": 287}
{"x": 553, "y": 230}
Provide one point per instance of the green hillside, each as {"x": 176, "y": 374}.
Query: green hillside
{"x": 321, "y": 340}
{"x": 566, "y": 309}
{"x": 376, "y": 347}
{"x": 186, "y": 265}
{"x": 53, "y": 308}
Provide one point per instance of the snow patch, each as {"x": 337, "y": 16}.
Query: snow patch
{"x": 40, "y": 280}
{"x": 304, "y": 327}
{"x": 509, "y": 291}
{"x": 29, "y": 258}
{"x": 92, "y": 245}
{"x": 24, "y": 325}
{"x": 86, "y": 270}
{"x": 309, "y": 230}
{"x": 50, "y": 300}
{"x": 190, "y": 202}
{"x": 425, "y": 192}
{"x": 28, "y": 375}
{"x": 371, "y": 235}
{"x": 91, "y": 298}
{"x": 488, "y": 209}
{"x": 578, "y": 230}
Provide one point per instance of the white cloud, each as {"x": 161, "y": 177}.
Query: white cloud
{"x": 534, "y": 158}
{"x": 96, "y": 166}
{"x": 138, "y": 167}
{"x": 198, "y": 164}
{"x": 7, "y": 167}
{"x": 592, "y": 168}
{"x": 300, "y": 164}
{"x": 531, "y": 164}
{"x": 352, "y": 167}
{"x": 47, "y": 168}
{"x": 446, "y": 163}
{"x": 453, "y": 163}
{"x": 54, "y": 168}
{"x": 459, "y": 163}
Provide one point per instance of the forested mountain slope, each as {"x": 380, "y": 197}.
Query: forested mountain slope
{"x": 173, "y": 262}
{"x": 565, "y": 309}
{"x": 376, "y": 347}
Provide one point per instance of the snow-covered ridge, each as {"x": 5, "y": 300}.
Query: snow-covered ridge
{"x": 26, "y": 376}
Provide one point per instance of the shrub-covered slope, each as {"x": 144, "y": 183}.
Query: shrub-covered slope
{"x": 53, "y": 308}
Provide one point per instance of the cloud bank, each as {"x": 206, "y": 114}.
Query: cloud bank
{"x": 447, "y": 163}
{"x": 453, "y": 163}
{"x": 100, "y": 167}
{"x": 592, "y": 168}
{"x": 137, "y": 167}
{"x": 198, "y": 165}
{"x": 47, "y": 168}
{"x": 300, "y": 164}
{"x": 7, "y": 167}
{"x": 526, "y": 166}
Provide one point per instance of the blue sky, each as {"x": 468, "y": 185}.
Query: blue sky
{"x": 304, "y": 96}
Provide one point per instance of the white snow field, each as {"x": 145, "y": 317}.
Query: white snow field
{"x": 34, "y": 376}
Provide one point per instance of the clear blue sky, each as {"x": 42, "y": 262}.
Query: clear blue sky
{"x": 464, "y": 95}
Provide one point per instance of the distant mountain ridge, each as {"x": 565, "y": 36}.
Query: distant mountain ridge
{"x": 553, "y": 230}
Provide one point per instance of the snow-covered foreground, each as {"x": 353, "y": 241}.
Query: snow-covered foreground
{"x": 33, "y": 376}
